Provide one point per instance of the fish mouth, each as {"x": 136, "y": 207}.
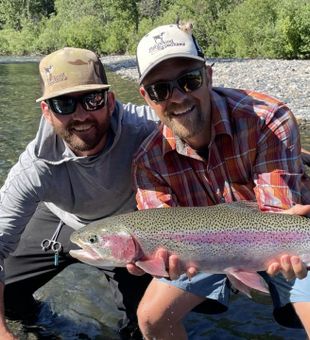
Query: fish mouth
{"x": 85, "y": 254}
{"x": 90, "y": 256}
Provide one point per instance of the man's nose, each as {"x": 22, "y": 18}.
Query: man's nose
{"x": 80, "y": 113}
{"x": 177, "y": 95}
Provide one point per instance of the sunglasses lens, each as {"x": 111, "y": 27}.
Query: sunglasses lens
{"x": 190, "y": 81}
{"x": 62, "y": 105}
{"x": 65, "y": 105}
{"x": 158, "y": 92}
{"x": 94, "y": 101}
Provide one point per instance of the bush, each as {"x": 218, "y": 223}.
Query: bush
{"x": 293, "y": 29}
{"x": 18, "y": 42}
{"x": 4, "y": 44}
{"x": 49, "y": 39}
{"x": 266, "y": 29}
{"x": 223, "y": 28}
{"x": 86, "y": 32}
{"x": 116, "y": 37}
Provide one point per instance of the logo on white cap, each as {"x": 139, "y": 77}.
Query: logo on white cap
{"x": 161, "y": 44}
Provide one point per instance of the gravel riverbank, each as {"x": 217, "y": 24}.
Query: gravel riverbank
{"x": 288, "y": 80}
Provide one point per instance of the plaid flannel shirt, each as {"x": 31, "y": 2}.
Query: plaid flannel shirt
{"x": 254, "y": 154}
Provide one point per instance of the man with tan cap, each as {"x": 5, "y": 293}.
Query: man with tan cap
{"x": 215, "y": 145}
{"x": 76, "y": 170}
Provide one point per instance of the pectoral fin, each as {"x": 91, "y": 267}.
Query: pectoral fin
{"x": 155, "y": 267}
{"x": 244, "y": 281}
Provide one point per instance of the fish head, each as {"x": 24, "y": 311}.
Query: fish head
{"x": 104, "y": 247}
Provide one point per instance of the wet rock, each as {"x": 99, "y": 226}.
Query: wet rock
{"x": 78, "y": 304}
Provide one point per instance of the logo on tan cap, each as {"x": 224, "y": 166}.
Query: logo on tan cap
{"x": 71, "y": 70}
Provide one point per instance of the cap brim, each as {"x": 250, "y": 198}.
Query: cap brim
{"x": 167, "y": 57}
{"x": 74, "y": 89}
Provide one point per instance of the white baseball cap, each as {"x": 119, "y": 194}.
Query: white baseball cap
{"x": 166, "y": 42}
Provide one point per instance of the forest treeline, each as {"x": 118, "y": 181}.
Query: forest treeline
{"x": 224, "y": 28}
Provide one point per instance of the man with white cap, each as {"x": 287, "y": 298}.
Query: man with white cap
{"x": 215, "y": 145}
{"x": 75, "y": 171}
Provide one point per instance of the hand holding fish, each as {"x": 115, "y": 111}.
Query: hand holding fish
{"x": 291, "y": 266}
{"x": 174, "y": 265}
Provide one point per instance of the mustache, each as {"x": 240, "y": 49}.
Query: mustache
{"x": 74, "y": 123}
{"x": 174, "y": 107}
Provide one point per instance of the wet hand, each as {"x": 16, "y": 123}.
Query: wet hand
{"x": 173, "y": 265}
{"x": 134, "y": 270}
{"x": 291, "y": 266}
{"x": 298, "y": 209}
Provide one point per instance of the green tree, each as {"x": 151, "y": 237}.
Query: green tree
{"x": 15, "y": 13}
{"x": 293, "y": 29}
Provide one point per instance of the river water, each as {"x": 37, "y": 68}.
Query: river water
{"x": 20, "y": 114}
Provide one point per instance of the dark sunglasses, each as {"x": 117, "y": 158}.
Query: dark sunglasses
{"x": 187, "y": 83}
{"x": 66, "y": 105}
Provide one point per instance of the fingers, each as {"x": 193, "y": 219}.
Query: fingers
{"x": 191, "y": 272}
{"x": 290, "y": 266}
{"x": 298, "y": 209}
{"x": 134, "y": 270}
{"x": 296, "y": 267}
{"x": 274, "y": 269}
{"x": 174, "y": 267}
{"x": 287, "y": 268}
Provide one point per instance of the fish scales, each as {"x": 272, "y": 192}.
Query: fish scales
{"x": 190, "y": 231}
{"x": 232, "y": 238}
{"x": 203, "y": 234}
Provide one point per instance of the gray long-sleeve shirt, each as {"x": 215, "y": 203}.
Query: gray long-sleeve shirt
{"x": 77, "y": 189}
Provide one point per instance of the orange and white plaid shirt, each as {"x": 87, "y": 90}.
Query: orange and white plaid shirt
{"x": 254, "y": 154}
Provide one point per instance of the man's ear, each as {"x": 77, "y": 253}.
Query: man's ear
{"x": 209, "y": 73}
{"x": 46, "y": 111}
{"x": 145, "y": 96}
{"x": 111, "y": 102}
{"x": 142, "y": 91}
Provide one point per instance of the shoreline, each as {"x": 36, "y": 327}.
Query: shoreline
{"x": 287, "y": 80}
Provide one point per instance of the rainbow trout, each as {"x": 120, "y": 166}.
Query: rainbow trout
{"x": 232, "y": 238}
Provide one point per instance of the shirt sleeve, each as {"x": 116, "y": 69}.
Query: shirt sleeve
{"x": 151, "y": 189}
{"x": 278, "y": 170}
{"x": 18, "y": 202}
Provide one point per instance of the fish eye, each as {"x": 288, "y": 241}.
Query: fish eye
{"x": 93, "y": 239}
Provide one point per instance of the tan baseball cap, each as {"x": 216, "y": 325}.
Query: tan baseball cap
{"x": 71, "y": 70}
{"x": 166, "y": 42}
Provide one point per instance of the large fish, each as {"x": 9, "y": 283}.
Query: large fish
{"x": 232, "y": 238}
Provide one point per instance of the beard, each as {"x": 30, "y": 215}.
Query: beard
{"x": 82, "y": 142}
{"x": 186, "y": 126}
